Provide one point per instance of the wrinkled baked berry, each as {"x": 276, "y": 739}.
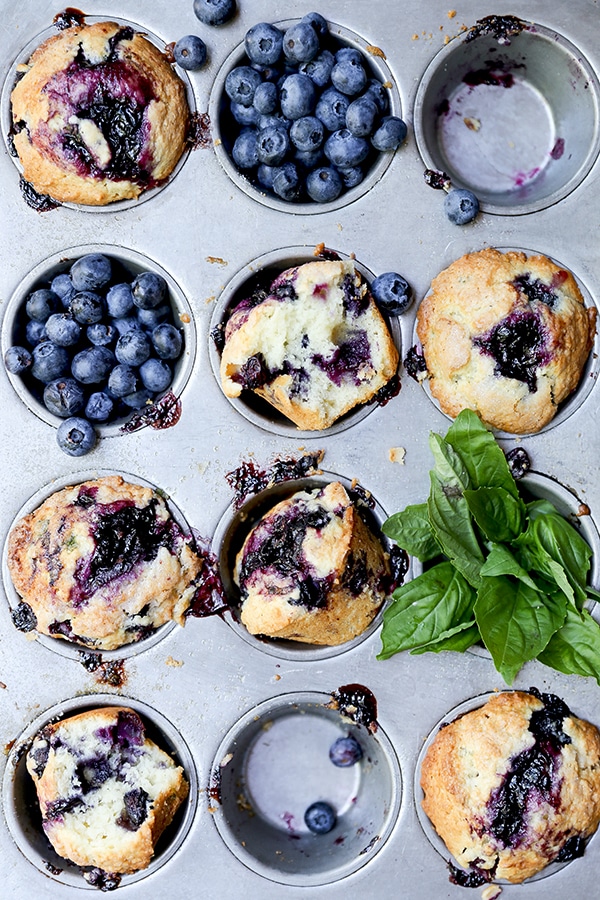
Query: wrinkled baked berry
{"x": 24, "y": 617}
{"x": 518, "y": 346}
{"x": 135, "y": 811}
{"x": 518, "y": 461}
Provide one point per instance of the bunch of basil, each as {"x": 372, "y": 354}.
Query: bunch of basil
{"x": 509, "y": 573}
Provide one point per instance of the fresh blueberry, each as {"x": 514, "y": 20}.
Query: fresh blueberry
{"x": 41, "y": 304}
{"x": 331, "y": 109}
{"x": 241, "y": 84}
{"x": 91, "y": 272}
{"x": 345, "y": 751}
{"x": 361, "y": 116}
{"x": 87, "y": 307}
{"x": 190, "y": 52}
{"x": 101, "y": 334}
{"x": 149, "y": 290}
{"x": 351, "y": 176}
{"x": 127, "y": 323}
{"x": 272, "y": 146}
{"x": 318, "y": 22}
{"x": 63, "y": 397}
{"x": 263, "y": 43}
{"x": 349, "y": 76}
{"x": 133, "y": 348}
{"x": 17, "y": 359}
{"x": 286, "y": 181}
{"x": 76, "y": 436}
{"x": 63, "y": 330}
{"x": 167, "y": 341}
{"x": 49, "y": 362}
{"x": 274, "y": 119}
{"x": 119, "y": 300}
{"x": 245, "y": 115}
{"x": 156, "y": 374}
{"x": 320, "y": 817}
{"x": 63, "y": 286}
{"x": 99, "y": 407}
{"x": 245, "y": 149}
{"x": 265, "y": 176}
{"x": 307, "y": 133}
{"x": 310, "y": 159}
{"x": 138, "y": 399}
{"x": 214, "y": 12}
{"x": 297, "y": 96}
{"x": 35, "y": 332}
{"x": 266, "y": 98}
{"x": 344, "y": 149}
{"x": 319, "y": 68}
{"x": 122, "y": 380}
{"x": 390, "y": 133}
{"x": 392, "y": 293}
{"x": 300, "y": 42}
{"x": 378, "y": 94}
{"x": 324, "y": 184}
{"x": 349, "y": 54}
{"x": 150, "y": 318}
{"x": 461, "y": 206}
{"x": 92, "y": 365}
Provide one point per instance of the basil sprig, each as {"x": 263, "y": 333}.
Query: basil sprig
{"x": 502, "y": 571}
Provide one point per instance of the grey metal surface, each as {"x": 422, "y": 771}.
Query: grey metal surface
{"x": 202, "y": 229}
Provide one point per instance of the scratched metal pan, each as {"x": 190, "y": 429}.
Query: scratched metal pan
{"x": 514, "y": 117}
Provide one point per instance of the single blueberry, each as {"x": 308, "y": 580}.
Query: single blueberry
{"x": 276, "y": 119}
{"x": 87, "y": 307}
{"x": 167, "y": 341}
{"x": 307, "y": 133}
{"x": 150, "y": 318}
{"x": 241, "y": 83}
{"x": 138, "y": 399}
{"x": 266, "y": 98}
{"x": 245, "y": 149}
{"x": 127, "y": 323}
{"x": 331, "y": 109}
{"x": 99, "y": 407}
{"x": 263, "y": 44}
{"x": 348, "y": 75}
{"x": 351, "y": 175}
{"x": 17, "y": 359}
{"x": 91, "y": 272}
{"x": 392, "y": 293}
{"x": 119, "y": 300}
{"x": 300, "y": 42}
{"x": 319, "y": 68}
{"x": 63, "y": 330}
{"x": 64, "y": 397}
{"x": 92, "y": 365}
{"x": 63, "y": 286}
{"x": 76, "y": 436}
{"x": 461, "y": 206}
{"x": 190, "y": 52}
{"x": 149, "y": 290}
{"x": 310, "y": 159}
{"x": 49, "y": 362}
{"x": 35, "y": 332}
{"x": 345, "y": 751}
{"x": 324, "y": 185}
{"x": 265, "y": 176}
{"x": 41, "y": 304}
{"x": 245, "y": 115}
{"x": 272, "y": 145}
{"x": 378, "y": 94}
{"x": 344, "y": 149}
{"x": 156, "y": 374}
{"x": 101, "y": 334}
{"x": 133, "y": 348}
{"x": 297, "y": 96}
{"x": 390, "y": 134}
{"x": 122, "y": 380}
{"x": 214, "y": 12}
{"x": 320, "y": 818}
{"x": 318, "y": 22}
{"x": 361, "y": 116}
{"x": 286, "y": 181}
{"x": 350, "y": 54}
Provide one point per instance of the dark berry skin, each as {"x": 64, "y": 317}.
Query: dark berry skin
{"x": 320, "y": 818}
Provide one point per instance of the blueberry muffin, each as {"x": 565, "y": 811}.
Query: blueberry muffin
{"x": 102, "y": 563}
{"x": 98, "y": 115}
{"x": 106, "y": 792}
{"x": 314, "y": 345}
{"x": 514, "y": 785}
{"x": 311, "y": 570}
{"x": 505, "y": 335}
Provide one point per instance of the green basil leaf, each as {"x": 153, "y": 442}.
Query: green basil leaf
{"x": 565, "y": 545}
{"x": 425, "y": 608}
{"x": 500, "y": 516}
{"x": 575, "y": 648}
{"x": 538, "y": 508}
{"x": 501, "y": 561}
{"x": 516, "y": 622}
{"x": 459, "y": 639}
{"x": 482, "y": 456}
{"x": 453, "y": 528}
{"x": 411, "y": 529}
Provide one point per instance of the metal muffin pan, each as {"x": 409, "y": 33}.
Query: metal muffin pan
{"x": 202, "y": 228}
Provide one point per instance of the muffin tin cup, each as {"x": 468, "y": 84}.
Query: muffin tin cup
{"x": 430, "y": 833}
{"x": 589, "y": 373}
{"x": 21, "y": 810}
{"x": 377, "y": 68}
{"x": 61, "y": 646}
{"x": 516, "y": 121}
{"x": 264, "y": 269}
{"x": 230, "y": 534}
{"x": 6, "y": 111}
{"x": 133, "y": 263}
{"x": 265, "y": 786}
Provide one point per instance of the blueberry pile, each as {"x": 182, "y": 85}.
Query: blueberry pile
{"x": 94, "y": 344}
{"x": 304, "y": 118}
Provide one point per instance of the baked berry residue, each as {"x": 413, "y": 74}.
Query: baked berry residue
{"x": 518, "y": 461}
{"x": 518, "y": 345}
{"x": 474, "y": 877}
{"x": 356, "y": 702}
{"x": 164, "y": 413}
{"x": 209, "y": 594}
{"x": 414, "y": 363}
{"x": 537, "y": 291}
{"x": 501, "y": 28}
{"x": 67, "y": 18}
{"x": 249, "y": 479}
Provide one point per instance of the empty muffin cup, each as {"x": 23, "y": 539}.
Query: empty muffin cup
{"x": 275, "y": 763}
{"x": 225, "y": 129}
{"x": 234, "y": 529}
{"x": 22, "y": 810}
{"x": 510, "y": 110}
{"x": 257, "y": 276}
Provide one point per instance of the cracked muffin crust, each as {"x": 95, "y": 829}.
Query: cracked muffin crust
{"x": 514, "y": 785}
{"x": 102, "y": 563}
{"x": 99, "y": 115}
{"x": 505, "y": 335}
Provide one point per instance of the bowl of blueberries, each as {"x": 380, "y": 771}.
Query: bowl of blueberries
{"x": 305, "y": 115}
{"x": 96, "y": 341}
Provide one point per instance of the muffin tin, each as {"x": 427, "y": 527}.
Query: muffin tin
{"x": 211, "y": 690}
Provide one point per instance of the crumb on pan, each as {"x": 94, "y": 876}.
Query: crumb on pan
{"x": 174, "y": 663}
{"x": 397, "y": 455}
